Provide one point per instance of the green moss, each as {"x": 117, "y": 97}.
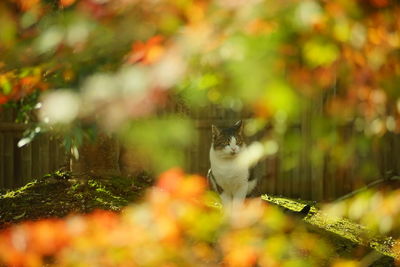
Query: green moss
{"x": 58, "y": 194}
{"x": 346, "y": 236}
{"x": 19, "y": 191}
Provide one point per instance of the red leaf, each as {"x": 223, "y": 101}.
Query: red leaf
{"x": 3, "y": 99}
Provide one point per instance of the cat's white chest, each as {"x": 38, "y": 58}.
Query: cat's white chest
{"x": 230, "y": 174}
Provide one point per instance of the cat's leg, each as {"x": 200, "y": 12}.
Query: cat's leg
{"x": 227, "y": 204}
{"x": 226, "y": 201}
{"x": 238, "y": 197}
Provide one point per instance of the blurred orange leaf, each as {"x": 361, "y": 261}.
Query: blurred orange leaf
{"x": 175, "y": 183}
{"x": 46, "y": 237}
{"x": 147, "y": 52}
{"x": 28, "y": 4}
{"x": 171, "y": 180}
{"x": 192, "y": 186}
{"x": 66, "y": 3}
{"x": 242, "y": 256}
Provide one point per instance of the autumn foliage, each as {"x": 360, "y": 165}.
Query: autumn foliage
{"x": 177, "y": 224}
{"x": 114, "y": 66}
{"x": 295, "y": 53}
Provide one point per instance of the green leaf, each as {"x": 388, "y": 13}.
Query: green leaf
{"x": 320, "y": 53}
{"x": 6, "y": 85}
{"x": 24, "y": 72}
{"x": 9, "y": 27}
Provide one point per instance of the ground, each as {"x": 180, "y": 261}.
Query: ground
{"x": 59, "y": 194}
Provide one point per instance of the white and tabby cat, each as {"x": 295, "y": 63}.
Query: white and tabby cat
{"x": 230, "y": 176}
{"x": 231, "y": 173}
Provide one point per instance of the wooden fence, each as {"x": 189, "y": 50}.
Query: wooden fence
{"x": 295, "y": 171}
{"x": 20, "y": 165}
{"x": 298, "y": 170}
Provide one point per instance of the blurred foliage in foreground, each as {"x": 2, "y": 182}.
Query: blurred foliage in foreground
{"x": 377, "y": 210}
{"x": 179, "y": 223}
{"x": 176, "y": 225}
{"x": 113, "y": 62}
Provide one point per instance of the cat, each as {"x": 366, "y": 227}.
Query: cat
{"x": 231, "y": 175}
{"x": 228, "y": 175}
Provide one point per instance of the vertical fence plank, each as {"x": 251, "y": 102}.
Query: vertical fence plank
{"x": 18, "y": 165}
{"x": 57, "y": 155}
{"x": 392, "y": 154}
{"x": 272, "y": 172}
{"x": 205, "y": 143}
{"x": 298, "y": 172}
{"x": 2, "y": 185}
{"x": 52, "y": 155}
{"x": 355, "y": 164}
{"x": 281, "y": 177}
{"x": 9, "y": 160}
{"x": 62, "y": 155}
{"x": 317, "y": 182}
{"x": 44, "y": 155}
{"x": 36, "y": 173}
{"x": 196, "y": 151}
{"x": 396, "y": 148}
{"x": 327, "y": 178}
{"x": 2, "y": 161}
{"x": 305, "y": 152}
{"x": 191, "y": 151}
{"x": 63, "y": 160}
{"x": 385, "y": 154}
{"x": 26, "y": 166}
{"x": 316, "y": 164}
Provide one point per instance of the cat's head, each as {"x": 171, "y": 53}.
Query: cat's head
{"x": 228, "y": 142}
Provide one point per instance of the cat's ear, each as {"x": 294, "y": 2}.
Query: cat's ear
{"x": 239, "y": 126}
{"x": 215, "y": 131}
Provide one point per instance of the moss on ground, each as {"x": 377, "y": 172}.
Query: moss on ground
{"x": 59, "y": 194}
{"x": 349, "y": 239}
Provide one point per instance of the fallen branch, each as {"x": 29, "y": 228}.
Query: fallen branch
{"x": 368, "y": 186}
